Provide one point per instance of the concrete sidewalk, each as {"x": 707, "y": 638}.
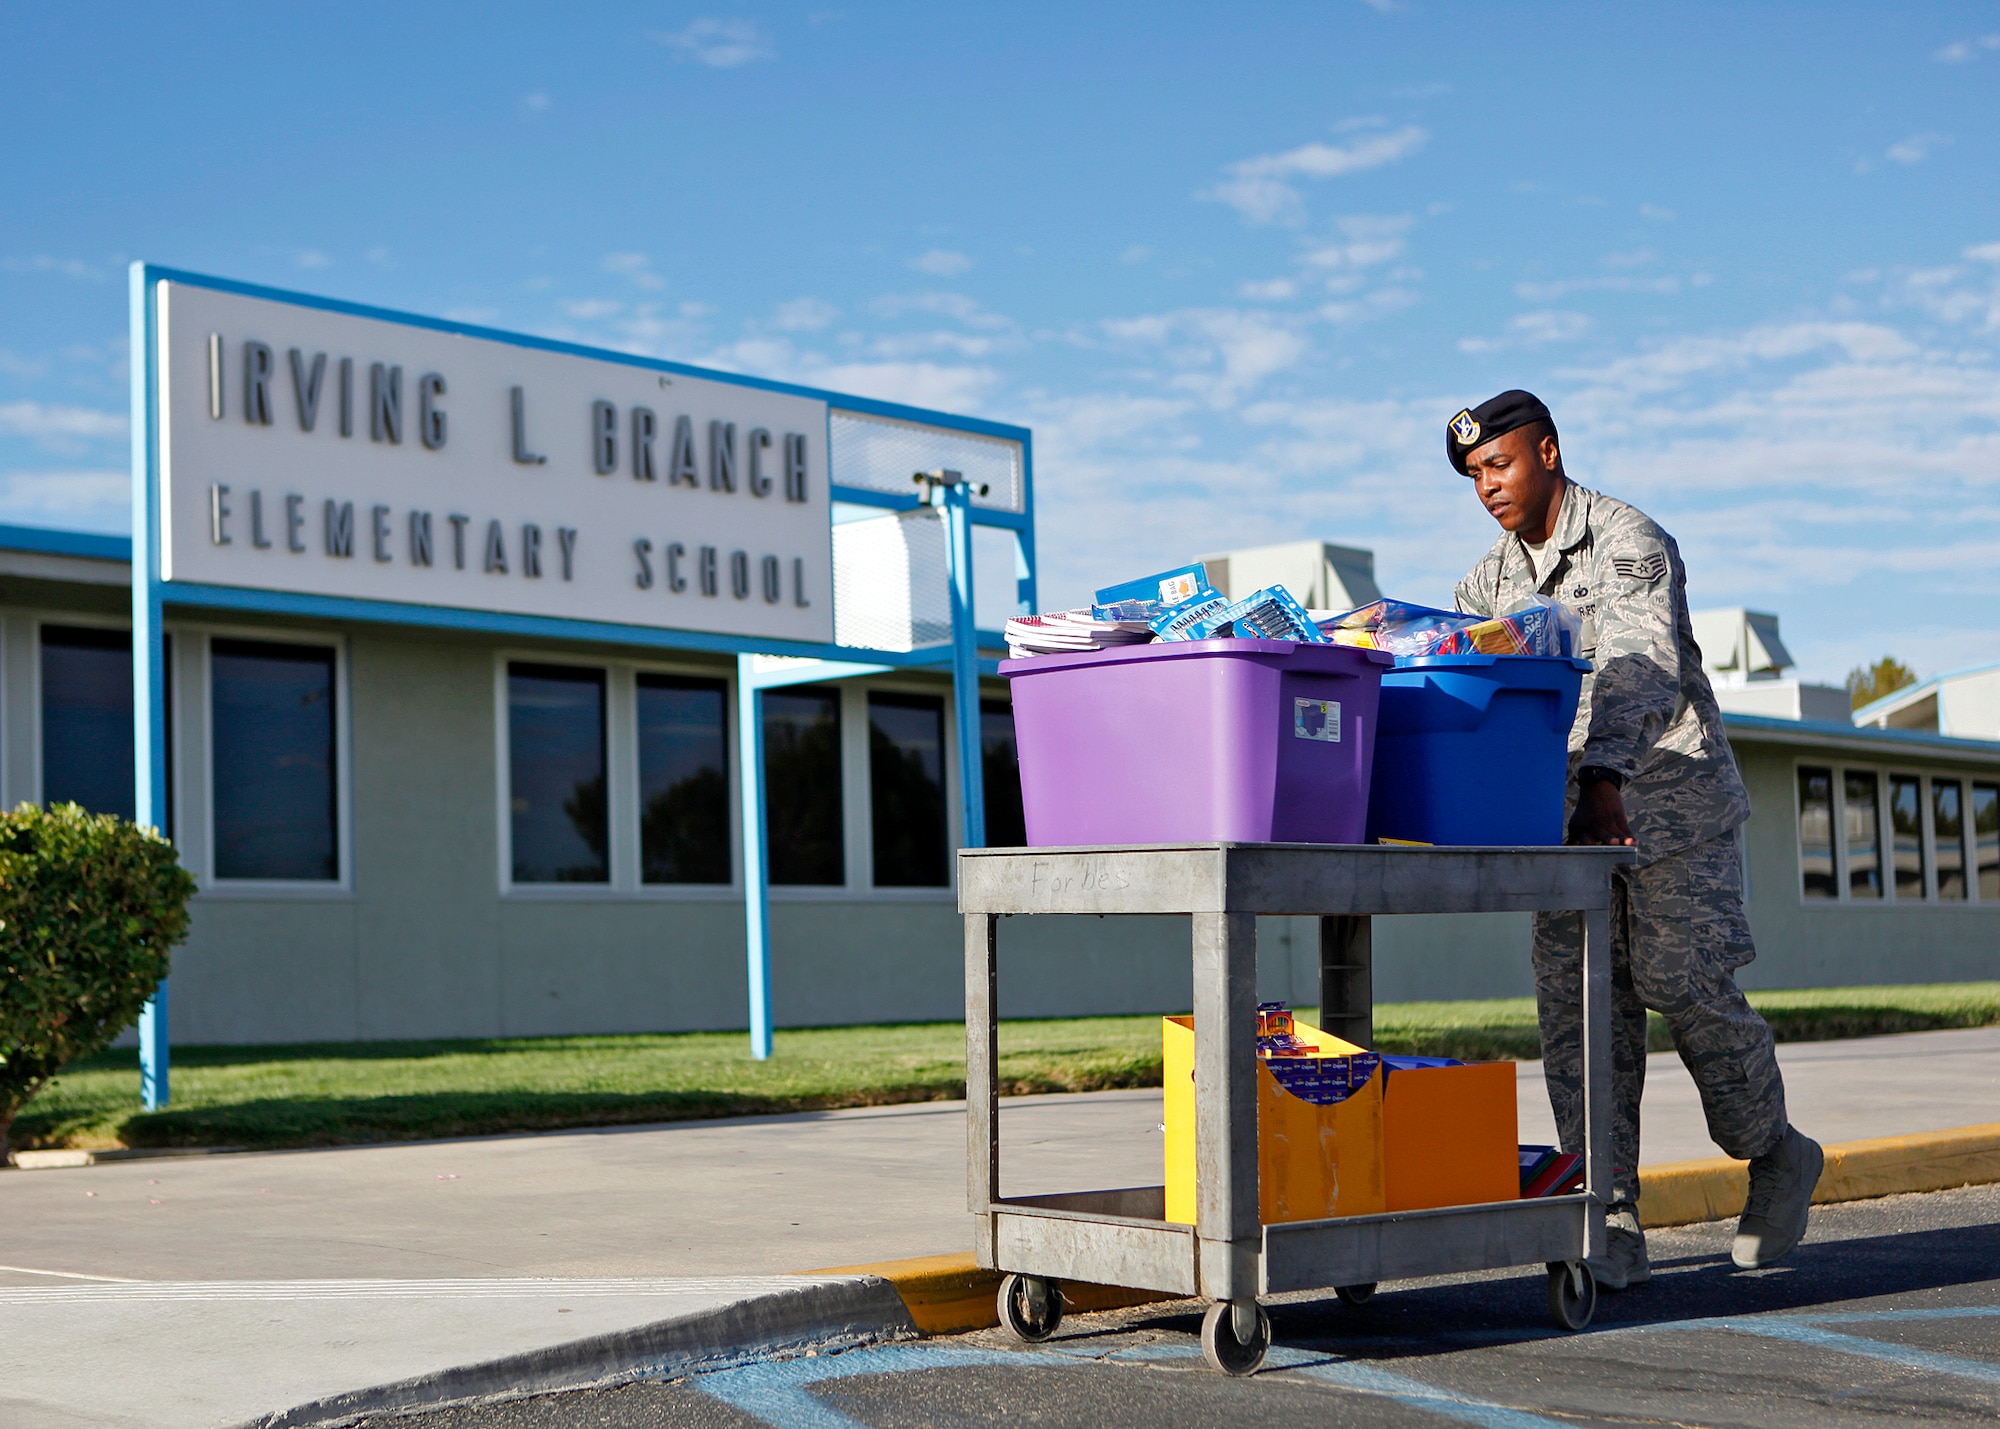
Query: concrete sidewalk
{"x": 694, "y": 1199}
{"x": 768, "y": 1195}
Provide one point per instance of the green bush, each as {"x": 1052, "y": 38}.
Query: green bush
{"x": 90, "y": 910}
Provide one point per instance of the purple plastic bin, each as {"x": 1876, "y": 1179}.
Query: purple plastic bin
{"x": 1200, "y": 740}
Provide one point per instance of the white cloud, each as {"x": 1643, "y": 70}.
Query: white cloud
{"x": 1269, "y": 290}
{"x": 45, "y": 422}
{"x": 720, "y": 44}
{"x": 921, "y": 384}
{"x": 1137, "y": 253}
{"x": 1558, "y": 289}
{"x": 1960, "y": 51}
{"x": 593, "y": 309}
{"x": 536, "y": 102}
{"x": 941, "y": 262}
{"x": 804, "y": 315}
{"x": 956, "y": 306}
{"x": 1917, "y": 148}
{"x": 312, "y": 258}
{"x": 636, "y": 267}
{"x": 90, "y": 500}
{"x": 1261, "y": 189}
{"x": 1364, "y": 241}
{"x": 64, "y": 267}
{"x": 1531, "y": 330}
{"x": 1217, "y": 354}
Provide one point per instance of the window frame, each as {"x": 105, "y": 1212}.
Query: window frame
{"x": 632, "y": 674}
{"x": 622, "y": 798}
{"x": 946, "y": 737}
{"x": 504, "y": 839}
{"x": 859, "y": 774}
{"x": 621, "y": 771}
{"x": 342, "y": 887}
{"x": 1885, "y": 835}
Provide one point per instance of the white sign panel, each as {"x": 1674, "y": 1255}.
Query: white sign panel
{"x": 305, "y": 450}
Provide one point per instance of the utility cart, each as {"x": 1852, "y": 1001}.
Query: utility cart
{"x": 1121, "y": 1237}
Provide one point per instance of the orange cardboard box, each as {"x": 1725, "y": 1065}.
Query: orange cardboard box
{"x": 1413, "y": 1139}
{"x": 1450, "y": 1136}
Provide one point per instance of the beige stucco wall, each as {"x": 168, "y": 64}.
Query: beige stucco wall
{"x": 423, "y": 941}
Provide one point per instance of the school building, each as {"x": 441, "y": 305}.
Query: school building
{"x": 436, "y": 648}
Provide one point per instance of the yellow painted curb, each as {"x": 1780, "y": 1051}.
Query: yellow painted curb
{"x": 947, "y": 1294}
{"x": 1679, "y": 1193}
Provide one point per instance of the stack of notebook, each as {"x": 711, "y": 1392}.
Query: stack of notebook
{"x": 1064, "y": 632}
{"x": 1548, "y": 1171}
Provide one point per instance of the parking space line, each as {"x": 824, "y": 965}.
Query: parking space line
{"x": 1869, "y": 1317}
{"x": 777, "y": 1391}
{"x": 1417, "y": 1394}
{"x": 1805, "y": 1334}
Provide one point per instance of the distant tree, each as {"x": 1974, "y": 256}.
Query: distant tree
{"x": 1868, "y": 683}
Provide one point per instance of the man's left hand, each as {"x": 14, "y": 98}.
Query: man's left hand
{"x": 1600, "y": 815}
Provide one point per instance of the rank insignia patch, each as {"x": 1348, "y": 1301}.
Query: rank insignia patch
{"x": 1465, "y": 429}
{"x": 1649, "y": 567}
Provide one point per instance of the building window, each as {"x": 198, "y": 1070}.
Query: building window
{"x": 555, "y": 774}
{"x": 87, "y": 719}
{"x": 683, "y": 780}
{"x": 803, "y": 816}
{"x": 1948, "y": 834}
{"x": 1816, "y": 833}
{"x": 1906, "y": 822}
{"x": 1006, "y": 825}
{"x": 906, "y": 791}
{"x": 275, "y": 793}
{"x": 1986, "y": 839}
{"x": 1864, "y": 836}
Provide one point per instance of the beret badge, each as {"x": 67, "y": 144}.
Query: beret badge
{"x": 1465, "y": 428}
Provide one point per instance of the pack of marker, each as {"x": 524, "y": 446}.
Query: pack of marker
{"x": 1268, "y": 614}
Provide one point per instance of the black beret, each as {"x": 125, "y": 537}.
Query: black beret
{"x": 1495, "y": 417}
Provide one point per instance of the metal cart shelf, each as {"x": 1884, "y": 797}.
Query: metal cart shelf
{"x": 1121, "y": 1237}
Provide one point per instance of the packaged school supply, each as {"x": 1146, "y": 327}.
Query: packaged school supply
{"x": 1147, "y": 596}
{"x": 1268, "y": 614}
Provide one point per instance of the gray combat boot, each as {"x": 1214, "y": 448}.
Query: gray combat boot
{"x": 1624, "y": 1262}
{"x": 1781, "y": 1190}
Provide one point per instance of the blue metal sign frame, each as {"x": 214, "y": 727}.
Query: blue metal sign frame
{"x": 151, "y": 596}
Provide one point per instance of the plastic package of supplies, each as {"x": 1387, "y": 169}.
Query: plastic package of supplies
{"x": 1537, "y": 626}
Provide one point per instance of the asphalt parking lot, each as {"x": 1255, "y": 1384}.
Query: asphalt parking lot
{"x": 1889, "y": 1312}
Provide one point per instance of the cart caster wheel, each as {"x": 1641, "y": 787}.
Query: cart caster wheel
{"x": 1356, "y": 1294}
{"x": 1031, "y": 1306}
{"x": 1222, "y": 1349}
{"x": 1572, "y": 1294}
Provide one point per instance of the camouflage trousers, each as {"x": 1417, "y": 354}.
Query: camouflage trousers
{"x": 1678, "y": 933}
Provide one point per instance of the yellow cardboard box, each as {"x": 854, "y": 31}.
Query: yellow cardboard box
{"x": 1421, "y": 1137}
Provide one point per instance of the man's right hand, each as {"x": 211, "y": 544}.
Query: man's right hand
{"x": 1600, "y": 815}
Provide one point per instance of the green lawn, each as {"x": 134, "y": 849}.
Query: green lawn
{"x": 332, "y": 1094}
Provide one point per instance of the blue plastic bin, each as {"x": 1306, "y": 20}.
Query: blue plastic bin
{"x": 1474, "y": 749}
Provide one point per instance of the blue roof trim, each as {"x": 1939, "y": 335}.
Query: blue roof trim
{"x": 47, "y": 541}
{"x": 1905, "y": 738}
{"x": 839, "y": 400}
{"x": 185, "y": 595}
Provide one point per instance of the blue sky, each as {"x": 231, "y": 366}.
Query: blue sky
{"x": 1234, "y": 265}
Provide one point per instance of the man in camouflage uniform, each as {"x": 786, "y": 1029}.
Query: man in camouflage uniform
{"x": 1651, "y": 768}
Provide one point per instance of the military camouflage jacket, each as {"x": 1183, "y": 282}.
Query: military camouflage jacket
{"x": 1647, "y": 708}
